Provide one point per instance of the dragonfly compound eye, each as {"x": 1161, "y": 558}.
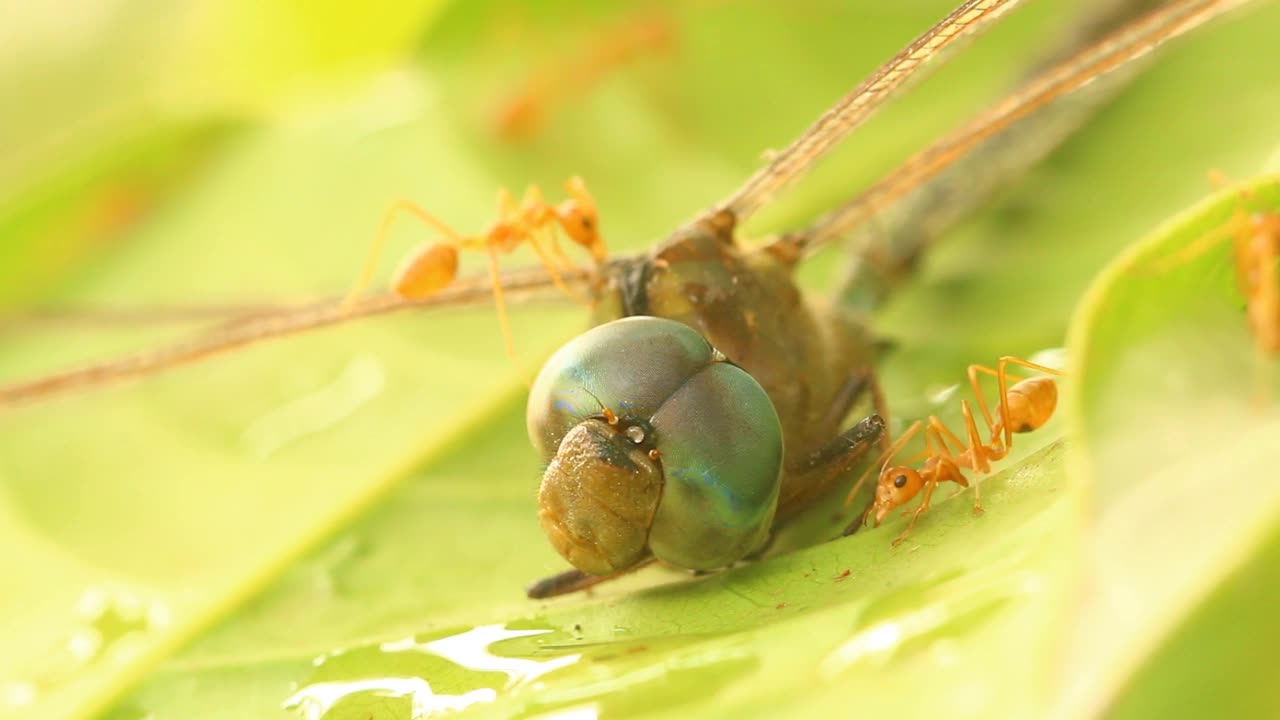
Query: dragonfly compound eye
{"x": 704, "y": 500}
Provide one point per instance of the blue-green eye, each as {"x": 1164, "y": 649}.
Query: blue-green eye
{"x": 655, "y": 445}
{"x": 721, "y": 449}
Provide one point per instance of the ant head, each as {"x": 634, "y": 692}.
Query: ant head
{"x": 897, "y": 485}
{"x": 579, "y": 219}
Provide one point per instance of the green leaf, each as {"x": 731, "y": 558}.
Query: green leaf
{"x": 1175, "y": 433}
{"x": 864, "y": 616}
{"x": 199, "y": 537}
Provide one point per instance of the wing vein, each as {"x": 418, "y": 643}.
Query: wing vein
{"x": 238, "y": 333}
{"x": 852, "y": 110}
{"x": 1114, "y": 52}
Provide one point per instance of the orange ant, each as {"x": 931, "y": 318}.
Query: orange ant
{"x": 1024, "y": 407}
{"x": 534, "y": 222}
{"x": 1255, "y": 237}
{"x": 523, "y": 113}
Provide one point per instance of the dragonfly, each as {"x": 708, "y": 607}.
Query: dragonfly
{"x": 624, "y": 286}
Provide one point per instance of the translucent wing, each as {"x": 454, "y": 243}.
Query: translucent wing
{"x": 853, "y": 109}
{"x": 240, "y": 332}
{"x": 1099, "y": 60}
{"x": 829, "y": 130}
{"x": 1097, "y": 63}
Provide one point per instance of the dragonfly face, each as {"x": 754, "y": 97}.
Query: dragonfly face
{"x": 707, "y": 493}
{"x": 656, "y": 444}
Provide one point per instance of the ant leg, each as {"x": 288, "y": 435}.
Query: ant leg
{"x": 430, "y": 254}
{"x": 498, "y": 302}
{"x": 575, "y": 580}
{"x": 860, "y": 520}
{"x": 936, "y": 438}
{"x": 920, "y": 510}
{"x": 507, "y": 210}
{"x": 1236, "y": 227}
{"x": 532, "y": 199}
{"x": 1232, "y": 228}
{"x": 552, "y": 245}
{"x": 1003, "y": 430}
{"x": 948, "y": 471}
{"x": 1002, "y": 379}
{"x": 507, "y": 215}
{"x": 1006, "y": 360}
{"x": 982, "y": 402}
{"x": 553, "y": 259}
{"x": 936, "y": 447}
{"x": 552, "y": 88}
{"x": 534, "y": 217}
{"x": 883, "y": 460}
{"x": 979, "y": 459}
{"x": 882, "y": 463}
{"x": 941, "y": 434}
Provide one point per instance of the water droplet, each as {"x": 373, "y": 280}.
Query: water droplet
{"x": 635, "y": 434}
{"x": 471, "y": 650}
{"x": 93, "y": 603}
{"x": 359, "y": 382}
{"x": 111, "y": 618}
{"x": 632, "y": 684}
{"x": 316, "y": 700}
{"x": 85, "y": 643}
{"x": 19, "y": 694}
{"x": 159, "y": 617}
{"x": 400, "y": 671}
{"x": 106, "y": 623}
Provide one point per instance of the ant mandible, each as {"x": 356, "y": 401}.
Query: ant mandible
{"x": 1024, "y": 407}
{"x": 533, "y": 222}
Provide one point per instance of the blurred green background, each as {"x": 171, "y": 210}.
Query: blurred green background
{"x": 342, "y": 523}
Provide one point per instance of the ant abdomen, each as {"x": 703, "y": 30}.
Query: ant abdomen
{"x": 1031, "y": 403}
{"x": 426, "y": 272}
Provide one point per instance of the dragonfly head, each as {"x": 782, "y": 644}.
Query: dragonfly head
{"x": 655, "y": 446}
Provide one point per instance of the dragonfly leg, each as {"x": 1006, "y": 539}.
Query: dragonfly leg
{"x": 844, "y": 450}
{"x": 836, "y": 457}
{"x": 571, "y": 581}
{"x": 818, "y": 470}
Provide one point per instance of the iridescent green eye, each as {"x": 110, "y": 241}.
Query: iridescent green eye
{"x": 688, "y": 471}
